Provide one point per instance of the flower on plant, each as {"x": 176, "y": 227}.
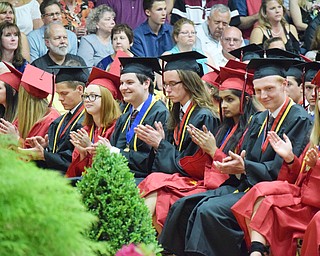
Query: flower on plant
{"x": 136, "y": 250}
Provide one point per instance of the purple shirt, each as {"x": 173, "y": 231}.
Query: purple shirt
{"x": 127, "y": 11}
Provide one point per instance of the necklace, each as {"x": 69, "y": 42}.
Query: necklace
{"x": 276, "y": 33}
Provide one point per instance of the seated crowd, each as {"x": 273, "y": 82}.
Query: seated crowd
{"x": 215, "y": 107}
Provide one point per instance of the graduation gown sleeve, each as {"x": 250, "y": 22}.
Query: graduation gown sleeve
{"x": 167, "y": 156}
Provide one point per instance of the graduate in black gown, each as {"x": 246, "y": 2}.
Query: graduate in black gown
{"x": 203, "y": 224}
{"x": 141, "y": 107}
{"x": 55, "y": 150}
{"x": 191, "y": 105}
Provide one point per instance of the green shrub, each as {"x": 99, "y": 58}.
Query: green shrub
{"x": 109, "y": 191}
{"x": 40, "y": 213}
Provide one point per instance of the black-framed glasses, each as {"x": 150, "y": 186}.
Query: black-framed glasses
{"x": 171, "y": 84}
{"x": 90, "y": 97}
{"x": 52, "y": 14}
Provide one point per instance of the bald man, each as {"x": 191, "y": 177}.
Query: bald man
{"x": 231, "y": 39}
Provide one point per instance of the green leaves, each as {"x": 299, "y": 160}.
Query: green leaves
{"x": 109, "y": 191}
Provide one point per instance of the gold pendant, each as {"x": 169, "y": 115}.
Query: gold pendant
{"x": 127, "y": 149}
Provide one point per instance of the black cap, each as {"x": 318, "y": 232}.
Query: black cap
{"x": 247, "y": 52}
{"x": 184, "y": 61}
{"x": 71, "y": 73}
{"x": 140, "y": 65}
{"x": 279, "y": 53}
{"x": 295, "y": 72}
{"x": 271, "y": 66}
{"x": 310, "y": 69}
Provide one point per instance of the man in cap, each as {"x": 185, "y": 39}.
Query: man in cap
{"x": 56, "y": 40}
{"x": 137, "y": 87}
{"x": 294, "y": 87}
{"x": 54, "y": 151}
{"x": 203, "y": 224}
{"x": 51, "y": 13}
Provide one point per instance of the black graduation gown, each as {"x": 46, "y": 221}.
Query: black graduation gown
{"x": 138, "y": 161}
{"x": 168, "y": 155}
{"x": 61, "y": 159}
{"x": 203, "y": 224}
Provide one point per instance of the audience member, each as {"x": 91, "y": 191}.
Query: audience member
{"x": 10, "y": 45}
{"x": 97, "y": 44}
{"x": 127, "y": 11}
{"x": 50, "y": 13}
{"x": 274, "y": 42}
{"x": 153, "y": 37}
{"x": 230, "y": 40}
{"x": 101, "y": 112}
{"x": 122, "y": 40}
{"x": 142, "y": 107}
{"x": 27, "y": 14}
{"x": 315, "y": 46}
{"x": 7, "y": 14}
{"x": 203, "y": 223}
{"x": 248, "y": 12}
{"x": 34, "y": 113}
{"x": 75, "y": 13}
{"x": 9, "y": 87}
{"x": 54, "y": 151}
{"x": 197, "y": 11}
{"x": 210, "y": 31}
{"x": 56, "y": 40}
{"x": 273, "y": 24}
{"x": 184, "y": 35}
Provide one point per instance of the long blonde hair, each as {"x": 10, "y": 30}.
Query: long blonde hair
{"x": 109, "y": 111}
{"x": 30, "y": 111}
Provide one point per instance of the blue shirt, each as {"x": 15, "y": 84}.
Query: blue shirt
{"x": 38, "y": 47}
{"x": 148, "y": 44}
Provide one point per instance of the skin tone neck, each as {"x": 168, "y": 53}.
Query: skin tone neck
{"x": 154, "y": 27}
{"x": 7, "y": 55}
{"x": 103, "y": 36}
{"x": 138, "y": 102}
{"x": 59, "y": 59}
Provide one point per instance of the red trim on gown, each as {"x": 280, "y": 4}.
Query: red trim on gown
{"x": 76, "y": 167}
{"x": 285, "y": 212}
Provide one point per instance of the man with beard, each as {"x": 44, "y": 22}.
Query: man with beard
{"x": 56, "y": 40}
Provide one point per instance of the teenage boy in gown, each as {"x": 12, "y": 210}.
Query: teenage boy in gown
{"x": 203, "y": 224}
{"x": 54, "y": 151}
{"x": 136, "y": 86}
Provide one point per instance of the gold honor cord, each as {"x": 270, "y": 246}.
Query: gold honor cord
{"x": 185, "y": 126}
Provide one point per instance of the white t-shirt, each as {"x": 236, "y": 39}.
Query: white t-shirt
{"x": 25, "y": 14}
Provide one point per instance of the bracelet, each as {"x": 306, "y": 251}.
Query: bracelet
{"x": 291, "y": 162}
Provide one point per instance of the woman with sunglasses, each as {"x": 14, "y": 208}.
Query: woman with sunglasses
{"x": 101, "y": 113}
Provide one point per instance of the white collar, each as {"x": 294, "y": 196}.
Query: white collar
{"x": 185, "y": 106}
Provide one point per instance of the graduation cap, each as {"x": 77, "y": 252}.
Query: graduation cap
{"x": 279, "y": 53}
{"x": 115, "y": 66}
{"x": 247, "y": 52}
{"x": 234, "y": 64}
{"x": 70, "y": 73}
{"x": 211, "y": 77}
{"x": 184, "y": 61}
{"x": 12, "y": 78}
{"x": 106, "y": 80}
{"x": 140, "y": 65}
{"x": 295, "y": 72}
{"x": 310, "y": 70}
{"x": 37, "y": 82}
{"x": 271, "y": 66}
{"x": 232, "y": 79}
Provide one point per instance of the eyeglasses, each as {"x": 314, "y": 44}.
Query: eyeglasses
{"x": 90, "y": 97}
{"x": 187, "y": 33}
{"x": 52, "y": 14}
{"x": 171, "y": 84}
